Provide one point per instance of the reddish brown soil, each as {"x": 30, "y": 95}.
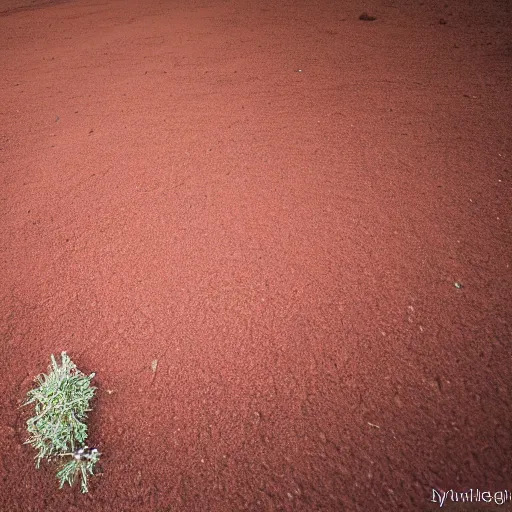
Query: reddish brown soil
{"x": 275, "y": 201}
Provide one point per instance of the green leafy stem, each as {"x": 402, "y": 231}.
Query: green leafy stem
{"x": 58, "y": 428}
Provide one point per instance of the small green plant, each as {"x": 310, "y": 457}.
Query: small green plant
{"x": 58, "y": 429}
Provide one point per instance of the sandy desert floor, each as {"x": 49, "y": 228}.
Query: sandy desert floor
{"x": 302, "y": 216}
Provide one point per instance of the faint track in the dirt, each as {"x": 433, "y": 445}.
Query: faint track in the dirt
{"x": 33, "y": 6}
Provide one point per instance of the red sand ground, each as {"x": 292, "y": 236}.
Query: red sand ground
{"x": 274, "y": 200}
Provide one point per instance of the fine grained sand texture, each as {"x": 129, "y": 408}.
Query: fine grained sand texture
{"x": 301, "y": 215}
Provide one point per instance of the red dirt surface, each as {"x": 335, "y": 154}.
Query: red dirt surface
{"x": 275, "y": 201}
